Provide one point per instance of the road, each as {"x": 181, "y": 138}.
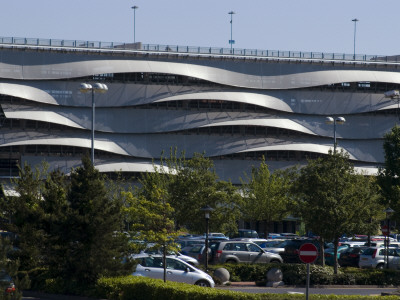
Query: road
{"x": 363, "y": 291}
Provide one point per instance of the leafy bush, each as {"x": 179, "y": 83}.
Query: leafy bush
{"x": 139, "y": 288}
{"x": 295, "y": 274}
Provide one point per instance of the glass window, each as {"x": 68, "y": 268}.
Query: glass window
{"x": 240, "y": 247}
{"x": 253, "y": 248}
{"x": 173, "y": 264}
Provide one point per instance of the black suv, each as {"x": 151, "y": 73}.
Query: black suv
{"x": 291, "y": 252}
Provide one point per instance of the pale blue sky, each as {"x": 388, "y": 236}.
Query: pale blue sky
{"x": 308, "y": 25}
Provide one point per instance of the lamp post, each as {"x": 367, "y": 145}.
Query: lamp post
{"x": 388, "y": 211}
{"x": 207, "y": 210}
{"x": 95, "y": 88}
{"x": 355, "y": 30}
{"x": 134, "y": 22}
{"x": 231, "y": 41}
{"x": 334, "y": 121}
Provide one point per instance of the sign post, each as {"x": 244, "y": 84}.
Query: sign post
{"x": 308, "y": 253}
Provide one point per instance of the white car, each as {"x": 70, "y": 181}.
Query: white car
{"x": 177, "y": 270}
{"x": 375, "y": 257}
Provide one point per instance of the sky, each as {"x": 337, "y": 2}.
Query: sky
{"x": 290, "y": 25}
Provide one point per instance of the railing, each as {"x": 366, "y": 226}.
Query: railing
{"x": 135, "y": 47}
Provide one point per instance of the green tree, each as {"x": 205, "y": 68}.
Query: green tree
{"x": 190, "y": 185}
{"x": 266, "y": 194}
{"x": 332, "y": 199}
{"x": 389, "y": 175}
{"x": 25, "y": 214}
{"x": 54, "y": 221}
{"x": 93, "y": 223}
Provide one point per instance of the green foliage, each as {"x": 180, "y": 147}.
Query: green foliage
{"x": 129, "y": 288}
{"x": 266, "y": 194}
{"x": 389, "y": 175}
{"x": 67, "y": 226}
{"x": 95, "y": 246}
{"x": 332, "y": 199}
{"x": 190, "y": 185}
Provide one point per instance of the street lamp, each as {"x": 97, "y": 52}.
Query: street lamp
{"x": 231, "y": 41}
{"x": 134, "y": 22}
{"x": 355, "y": 29}
{"x": 388, "y": 212}
{"x": 207, "y": 210}
{"x": 95, "y": 88}
{"x": 334, "y": 121}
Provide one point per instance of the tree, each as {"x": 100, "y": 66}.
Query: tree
{"x": 190, "y": 185}
{"x": 25, "y": 214}
{"x": 332, "y": 199}
{"x": 389, "y": 175}
{"x": 93, "y": 223}
{"x": 266, "y": 195}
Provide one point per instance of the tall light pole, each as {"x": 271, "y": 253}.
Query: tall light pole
{"x": 355, "y": 30}
{"x": 231, "y": 41}
{"x": 95, "y": 88}
{"x": 334, "y": 121}
{"x": 388, "y": 211}
{"x": 134, "y": 22}
{"x": 207, "y": 210}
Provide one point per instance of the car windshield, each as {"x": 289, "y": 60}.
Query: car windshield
{"x": 196, "y": 249}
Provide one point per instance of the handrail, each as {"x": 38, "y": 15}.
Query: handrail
{"x": 79, "y": 45}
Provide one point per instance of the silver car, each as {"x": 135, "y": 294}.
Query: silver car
{"x": 241, "y": 251}
{"x": 177, "y": 270}
{"x": 375, "y": 257}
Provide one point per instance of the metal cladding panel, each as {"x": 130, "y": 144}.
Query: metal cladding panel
{"x": 245, "y": 74}
{"x": 152, "y": 146}
{"x": 322, "y": 102}
{"x": 132, "y": 120}
{"x": 294, "y": 97}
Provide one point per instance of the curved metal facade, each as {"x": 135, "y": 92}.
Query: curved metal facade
{"x": 232, "y": 109}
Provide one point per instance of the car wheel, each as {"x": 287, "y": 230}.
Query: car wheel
{"x": 379, "y": 266}
{"x": 275, "y": 261}
{"x": 231, "y": 261}
{"x": 203, "y": 283}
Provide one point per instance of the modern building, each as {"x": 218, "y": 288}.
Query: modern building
{"x": 235, "y": 107}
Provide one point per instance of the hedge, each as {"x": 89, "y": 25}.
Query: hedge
{"x": 295, "y": 274}
{"x": 140, "y": 288}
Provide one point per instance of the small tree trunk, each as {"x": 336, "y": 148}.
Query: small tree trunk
{"x": 335, "y": 244}
{"x": 165, "y": 262}
{"x": 322, "y": 251}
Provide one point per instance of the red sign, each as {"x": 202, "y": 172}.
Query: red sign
{"x": 308, "y": 253}
{"x": 385, "y": 230}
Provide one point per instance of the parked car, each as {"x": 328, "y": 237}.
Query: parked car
{"x": 242, "y": 251}
{"x": 216, "y": 236}
{"x": 375, "y": 257}
{"x": 198, "y": 252}
{"x": 288, "y": 236}
{"x": 275, "y": 246}
{"x": 274, "y": 236}
{"x": 351, "y": 256}
{"x": 291, "y": 252}
{"x": 187, "y": 258}
{"x": 7, "y": 284}
{"x": 186, "y": 244}
{"x": 329, "y": 254}
{"x": 246, "y": 233}
{"x": 177, "y": 270}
